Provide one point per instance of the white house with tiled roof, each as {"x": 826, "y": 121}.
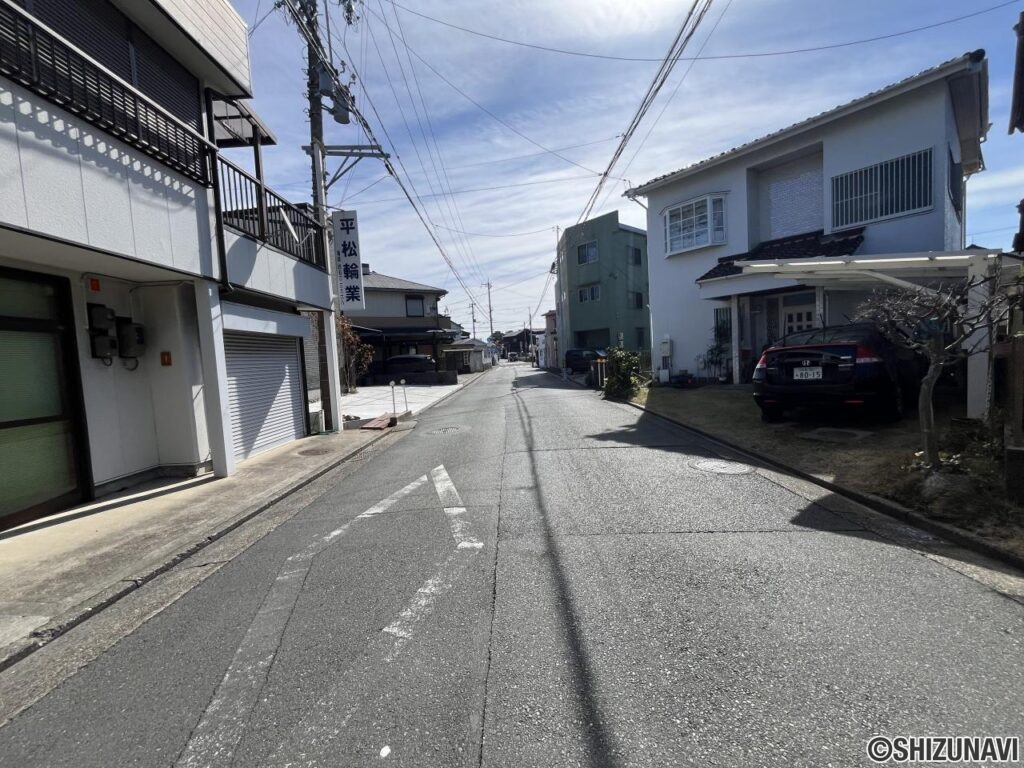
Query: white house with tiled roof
{"x": 882, "y": 175}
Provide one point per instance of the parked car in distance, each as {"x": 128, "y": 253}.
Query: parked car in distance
{"x": 410, "y": 364}
{"x": 855, "y": 366}
{"x": 578, "y": 360}
{"x": 513, "y": 357}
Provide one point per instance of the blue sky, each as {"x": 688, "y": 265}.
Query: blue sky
{"x": 508, "y": 194}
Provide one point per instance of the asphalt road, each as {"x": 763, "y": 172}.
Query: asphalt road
{"x": 536, "y": 577}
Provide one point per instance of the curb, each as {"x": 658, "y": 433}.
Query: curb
{"x": 60, "y": 624}
{"x": 874, "y": 503}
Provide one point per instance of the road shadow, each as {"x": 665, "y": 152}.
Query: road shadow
{"x": 600, "y": 742}
{"x": 865, "y": 522}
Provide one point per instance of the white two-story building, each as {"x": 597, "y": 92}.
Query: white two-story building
{"x": 880, "y": 178}
{"x": 156, "y": 300}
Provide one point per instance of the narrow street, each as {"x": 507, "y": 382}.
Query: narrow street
{"x": 533, "y": 576}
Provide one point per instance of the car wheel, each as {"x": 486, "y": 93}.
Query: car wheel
{"x": 770, "y": 414}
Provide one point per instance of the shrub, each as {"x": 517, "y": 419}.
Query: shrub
{"x": 623, "y": 374}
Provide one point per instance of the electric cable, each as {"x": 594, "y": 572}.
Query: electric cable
{"x": 749, "y": 55}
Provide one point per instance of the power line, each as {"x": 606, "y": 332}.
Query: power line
{"x": 450, "y": 200}
{"x": 752, "y": 55}
{"x": 671, "y": 96}
{"x": 679, "y": 43}
{"x": 487, "y": 189}
{"x": 315, "y": 43}
{"x": 510, "y": 234}
{"x": 481, "y": 107}
{"x": 304, "y": 182}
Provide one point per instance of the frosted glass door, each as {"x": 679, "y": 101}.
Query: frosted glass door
{"x": 37, "y": 445}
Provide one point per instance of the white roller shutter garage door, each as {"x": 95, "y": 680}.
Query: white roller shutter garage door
{"x": 265, "y": 392}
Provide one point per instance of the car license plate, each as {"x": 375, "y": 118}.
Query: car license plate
{"x": 806, "y": 374}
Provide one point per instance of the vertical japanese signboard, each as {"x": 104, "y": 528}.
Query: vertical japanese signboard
{"x": 347, "y": 260}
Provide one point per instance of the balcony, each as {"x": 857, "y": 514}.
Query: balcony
{"x": 49, "y": 66}
{"x": 253, "y": 210}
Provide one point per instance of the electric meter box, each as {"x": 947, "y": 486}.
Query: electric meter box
{"x": 101, "y": 318}
{"x": 131, "y": 338}
{"x": 103, "y": 346}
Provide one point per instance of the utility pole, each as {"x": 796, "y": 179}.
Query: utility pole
{"x": 472, "y": 314}
{"x": 490, "y": 311}
{"x": 327, "y": 344}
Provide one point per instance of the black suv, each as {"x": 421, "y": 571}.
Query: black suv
{"x": 578, "y": 360}
{"x": 853, "y": 365}
{"x": 410, "y": 364}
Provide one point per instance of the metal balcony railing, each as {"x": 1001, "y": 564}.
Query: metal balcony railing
{"x": 46, "y": 64}
{"x": 250, "y": 208}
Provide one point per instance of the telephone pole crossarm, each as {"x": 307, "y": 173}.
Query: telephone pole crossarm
{"x": 353, "y": 152}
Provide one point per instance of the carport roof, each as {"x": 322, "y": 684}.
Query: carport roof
{"x": 807, "y": 245}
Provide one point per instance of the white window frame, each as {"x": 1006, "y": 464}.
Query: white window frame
{"x": 900, "y": 186}
{"x": 588, "y": 293}
{"x": 713, "y": 233}
{"x": 588, "y": 252}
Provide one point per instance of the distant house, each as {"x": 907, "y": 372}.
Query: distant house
{"x": 521, "y": 342}
{"x": 401, "y": 318}
{"x": 602, "y": 290}
{"x": 879, "y": 179}
{"x": 467, "y": 356}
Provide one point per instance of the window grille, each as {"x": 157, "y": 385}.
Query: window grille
{"x": 891, "y": 188}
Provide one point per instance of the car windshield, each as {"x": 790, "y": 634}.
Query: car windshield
{"x": 838, "y": 334}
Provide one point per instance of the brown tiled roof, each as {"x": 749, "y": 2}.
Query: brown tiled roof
{"x": 973, "y": 56}
{"x": 806, "y": 246}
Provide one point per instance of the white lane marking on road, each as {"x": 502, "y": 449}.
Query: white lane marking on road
{"x": 420, "y": 606}
{"x": 454, "y": 509}
{"x": 383, "y": 506}
{"x": 460, "y": 527}
{"x": 222, "y": 724}
{"x": 311, "y": 743}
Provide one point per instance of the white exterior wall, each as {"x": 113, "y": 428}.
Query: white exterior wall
{"x": 179, "y": 416}
{"x": 677, "y": 311}
{"x": 61, "y": 177}
{"x": 153, "y": 416}
{"x": 911, "y": 123}
{"x": 265, "y": 269}
{"x": 118, "y": 402}
{"x": 392, "y": 304}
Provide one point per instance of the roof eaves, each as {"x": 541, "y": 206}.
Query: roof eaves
{"x": 936, "y": 73}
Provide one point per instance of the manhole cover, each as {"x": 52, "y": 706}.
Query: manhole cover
{"x": 444, "y": 430}
{"x": 721, "y": 466}
{"x": 315, "y": 452}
